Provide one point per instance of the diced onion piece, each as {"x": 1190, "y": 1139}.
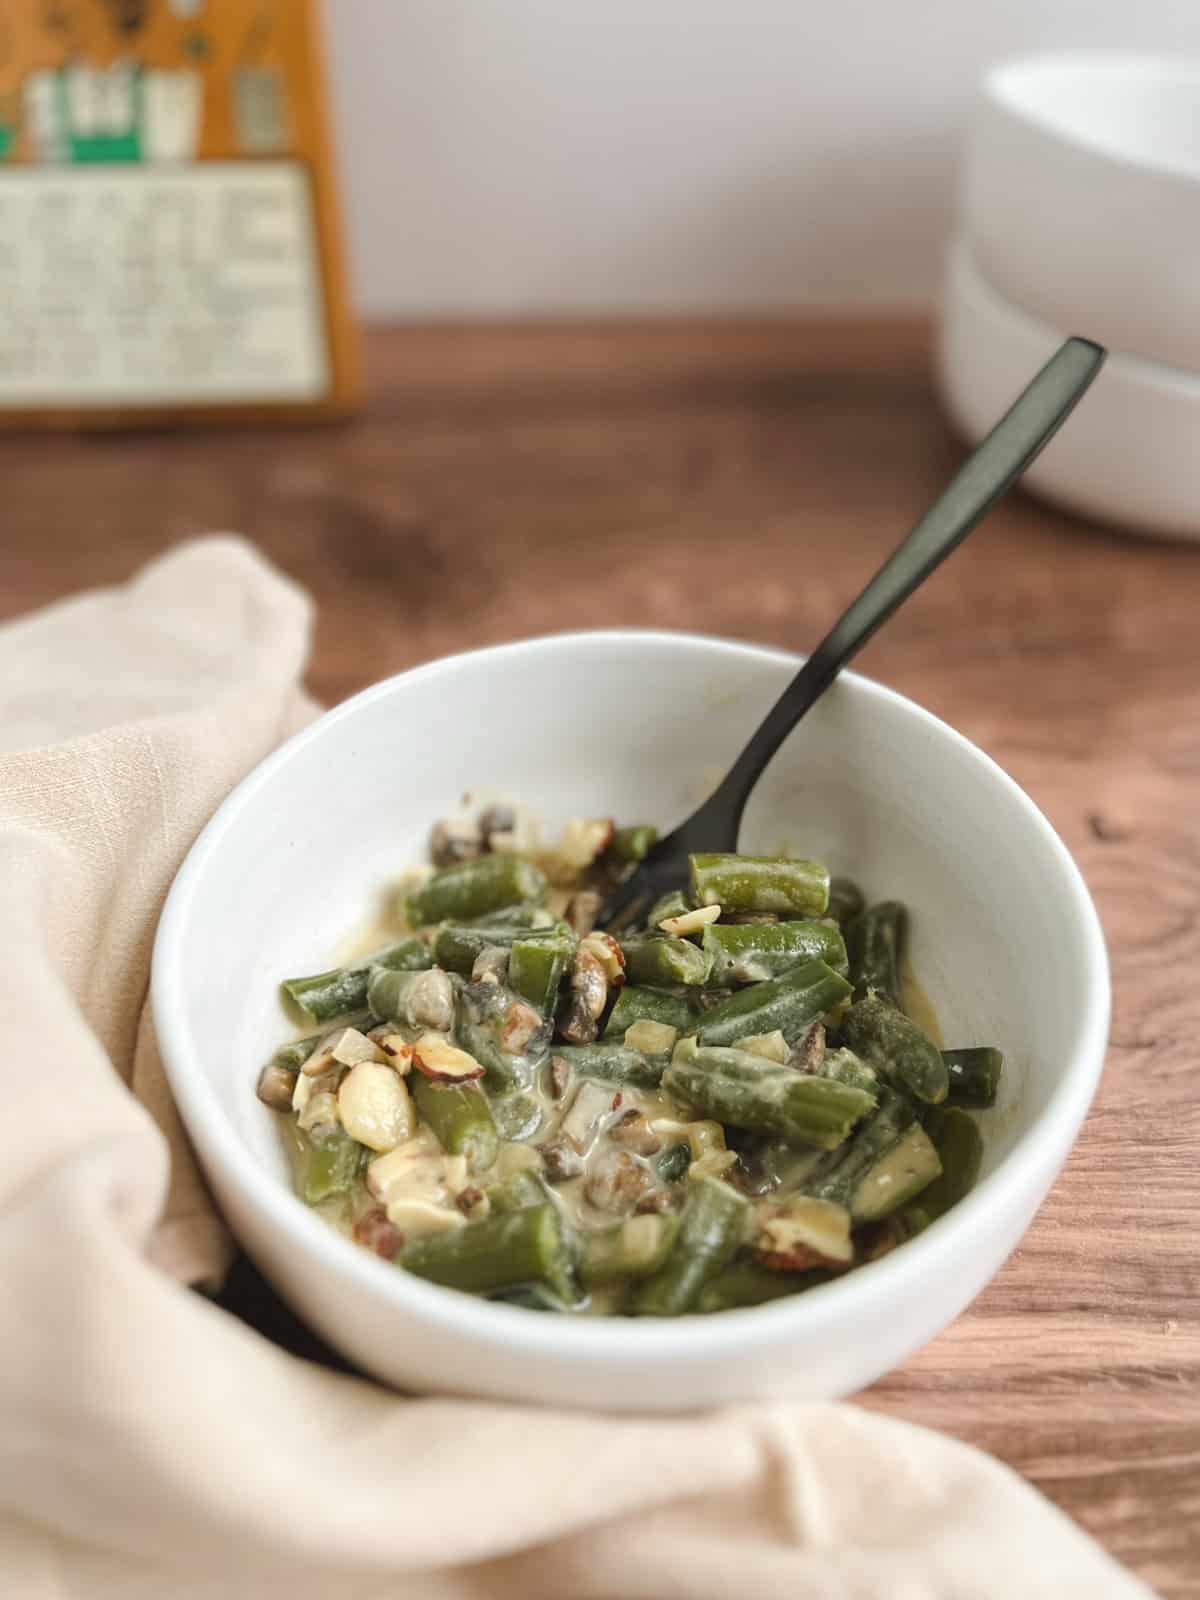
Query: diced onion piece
{"x": 351, "y": 1047}
{"x": 690, "y": 921}
{"x": 712, "y": 1165}
{"x": 375, "y": 1107}
{"x": 771, "y": 1046}
{"x": 702, "y": 1137}
{"x": 802, "y": 1227}
{"x": 514, "y": 1158}
{"x": 591, "y": 1105}
{"x": 437, "y": 1058}
{"x": 685, "y": 1050}
{"x": 654, "y": 1038}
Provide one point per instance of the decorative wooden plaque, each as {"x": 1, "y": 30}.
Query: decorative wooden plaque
{"x": 169, "y": 237}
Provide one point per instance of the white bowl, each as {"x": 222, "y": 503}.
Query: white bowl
{"x": 1081, "y": 197}
{"x": 1129, "y": 454}
{"x": 1005, "y": 938}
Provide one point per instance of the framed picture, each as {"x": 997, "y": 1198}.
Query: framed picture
{"x": 170, "y": 244}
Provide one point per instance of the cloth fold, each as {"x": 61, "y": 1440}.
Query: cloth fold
{"x": 154, "y": 1446}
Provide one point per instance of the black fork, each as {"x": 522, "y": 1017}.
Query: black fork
{"x": 986, "y": 474}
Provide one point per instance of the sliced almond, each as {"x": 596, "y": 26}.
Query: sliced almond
{"x": 608, "y": 953}
{"x": 399, "y": 1052}
{"x": 417, "y": 1184}
{"x": 654, "y": 1038}
{"x": 803, "y": 1232}
{"x": 771, "y": 1046}
{"x": 375, "y": 1107}
{"x": 582, "y": 841}
{"x": 437, "y": 1058}
{"x": 319, "y": 1117}
{"x": 350, "y": 1047}
{"x": 417, "y": 1218}
{"x": 319, "y": 1063}
{"x": 690, "y": 921}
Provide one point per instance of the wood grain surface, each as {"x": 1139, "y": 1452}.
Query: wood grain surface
{"x": 745, "y": 479}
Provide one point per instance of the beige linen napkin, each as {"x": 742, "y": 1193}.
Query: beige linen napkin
{"x": 154, "y": 1448}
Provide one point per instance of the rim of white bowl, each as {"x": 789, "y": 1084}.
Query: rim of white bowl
{"x": 1008, "y": 84}
{"x": 966, "y": 275}
{"x": 620, "y": 1340}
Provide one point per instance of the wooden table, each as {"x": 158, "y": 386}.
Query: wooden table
{"x": 745, "y": 479}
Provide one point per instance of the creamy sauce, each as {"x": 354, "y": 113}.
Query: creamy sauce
{"x": 918, "y": 1005}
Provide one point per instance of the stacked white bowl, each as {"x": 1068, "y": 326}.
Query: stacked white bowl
{"x": 1081, "y": 215}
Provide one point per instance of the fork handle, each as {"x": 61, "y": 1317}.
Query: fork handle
{"x": 1029, "y": 424}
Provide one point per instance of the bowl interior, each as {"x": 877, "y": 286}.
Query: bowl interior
{"x": 1140, "y": 110}
{"x": 638, "y": 725}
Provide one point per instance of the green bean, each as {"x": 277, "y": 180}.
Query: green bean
{"x": 518, "y": 1116}
{"x": 672, "y": 904}
{"x": 711, "y": 1228}
{"x": 759, "y": 883}
{"x": 536, "y": 968}
{"x": 635, "y": 1249}
{"x": 414, "y": 999}
{"x": 461, "y": 1118}
{"x": 755, "y": 951}
{"x": 633, "y": 844}
{"x": 974, "y": 1076}
{"x": 613, "y": 1063}
{"x": 472, "y": 888}
{"x": 931, "y": 1118}
{"x": 791, "y": 1002}
{"x": 517, "y": 1193}
{"x": 456, "y": 948}
{"x": 673, "y": 1163}
{"x": 501, "y": 1252}
{"x": 333, "y": 1167}
{"x": 660, "y": 958}
{"x": 887, "y": 1161}
{"x": 636, "y": 1004}
{"x": 748, "y": 1091}
{"x": 504, "y": 1032}
{"x": 523, "y": 916}
{"x": 845, "y": 1067}
{"x": 344, "y": 989}
{"x": 875, "y": 943}
{"x": 293, "y": 1056}
{"x": 960, "y": 1152}
{"x": 885, "y": 1038}
{"x": 846, "y": 900}
{"x": 745, "y": 1283}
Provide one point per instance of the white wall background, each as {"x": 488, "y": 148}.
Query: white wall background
{"x": 567, "y": 156}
